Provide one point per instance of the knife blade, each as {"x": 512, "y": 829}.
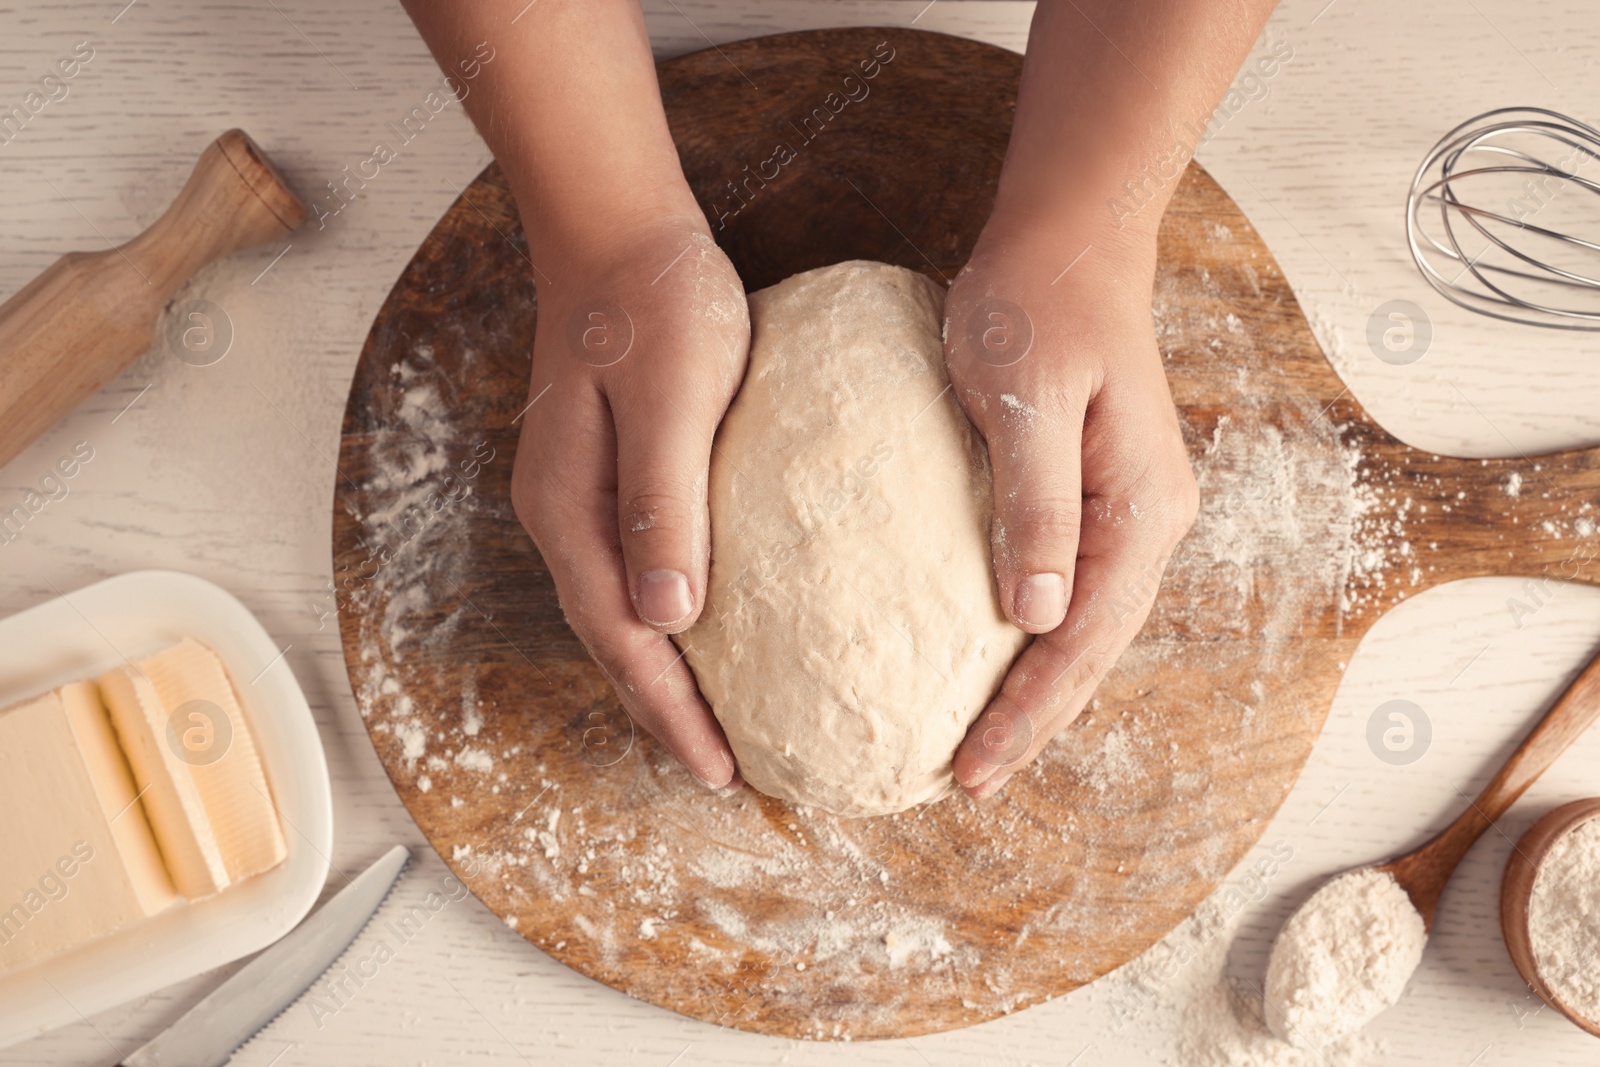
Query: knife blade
{"x": 208, "y": 1033}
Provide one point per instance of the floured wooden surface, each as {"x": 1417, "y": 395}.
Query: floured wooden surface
{"x": 508, "y": 748}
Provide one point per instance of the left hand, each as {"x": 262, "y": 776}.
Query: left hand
{"x": 1060, "y": 373}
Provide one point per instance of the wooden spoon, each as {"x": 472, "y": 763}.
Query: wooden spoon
{"x": 1423, "y": 873}
{"x": 1516, "y": 889}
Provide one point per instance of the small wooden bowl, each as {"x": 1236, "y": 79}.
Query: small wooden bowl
{"x": 1516, "y": 888}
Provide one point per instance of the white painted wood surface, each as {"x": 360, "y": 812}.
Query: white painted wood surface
{"x": 226, "y": 471}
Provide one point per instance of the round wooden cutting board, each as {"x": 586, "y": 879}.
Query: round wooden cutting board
{"x": 512, "y": 753}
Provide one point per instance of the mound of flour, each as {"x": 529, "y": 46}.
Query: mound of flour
{"x": 1564, "y": 919}
{"x": 1345, "y": 956}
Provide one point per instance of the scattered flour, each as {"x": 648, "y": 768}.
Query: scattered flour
{"x": 1017, "y": 406}
{"x": 770, "y": 903}
{"x": 1343, "y": 958}
{"x": 413, "y": 739}
{"x": 1116, "y": 767}
{"x": 909, "y": 938}
{"x": 654, "y": 868}
{"x": 423, "y": 477}
{"x": 1219, "y": 1019}
{"x": 1225, "y": 1027}
{"x": 1564, "y": 919}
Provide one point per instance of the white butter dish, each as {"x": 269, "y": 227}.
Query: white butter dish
{"x": 84, "y": 633}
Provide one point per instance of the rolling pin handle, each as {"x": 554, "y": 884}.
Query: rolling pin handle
{"x": 234, "y": 199}
{"x": 88, "y": 315}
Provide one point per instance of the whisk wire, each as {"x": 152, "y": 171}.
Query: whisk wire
{"x": 1564, "y": 277}
{"x": 1441, "y": 180}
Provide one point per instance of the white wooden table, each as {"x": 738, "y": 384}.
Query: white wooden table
{"x": 224, "y": 471}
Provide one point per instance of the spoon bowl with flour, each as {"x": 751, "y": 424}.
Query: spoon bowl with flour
{"x": 1347, "y": 953}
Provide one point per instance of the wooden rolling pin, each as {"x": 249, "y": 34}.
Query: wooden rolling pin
{"x": 74, "y": 327}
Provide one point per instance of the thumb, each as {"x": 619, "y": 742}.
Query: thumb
{"x": 663, "y": 456}
{"x": 1035, "y": 448}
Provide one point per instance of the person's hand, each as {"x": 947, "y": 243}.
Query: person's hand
{"x": 1059, "y": 370}
{"x": 642, "y": 340}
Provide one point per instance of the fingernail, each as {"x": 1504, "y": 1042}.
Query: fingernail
{"x": 991, "y": 787}
{"x": 727, "y": 788}
{"x": 1040, "y": 602}
{"x": 977, "y": 776}
{"x": 664, "y": 597}
{"x": 723, "y": 781}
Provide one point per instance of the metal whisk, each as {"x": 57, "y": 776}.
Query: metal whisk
{"x": 1500, "y": 262}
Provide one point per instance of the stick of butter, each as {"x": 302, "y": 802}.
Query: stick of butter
{"x": 191, "y": 750}
{"x": 79, "y": 858}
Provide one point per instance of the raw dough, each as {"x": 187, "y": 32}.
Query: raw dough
{"x": 852, "y": 630}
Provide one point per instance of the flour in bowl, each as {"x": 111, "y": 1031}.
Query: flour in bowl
{"x": 1564, "y": 919}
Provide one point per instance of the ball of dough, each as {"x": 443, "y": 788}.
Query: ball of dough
{"x": 852, "y": 630}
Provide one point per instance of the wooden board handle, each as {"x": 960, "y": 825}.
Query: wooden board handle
{"x": 74, "y": 327}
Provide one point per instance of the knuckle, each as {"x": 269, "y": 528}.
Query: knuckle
{"x": 1067, "y": 667}
{"x": 1065, "y": 395}
{"x": 1029, "y": 687}
{"x": 657, "y": 511}
{"x": 1182, "y": 495}
{"x": 653, "y": 695}
{"x": 582, "y": 620}
{"x": 538, "y": 498}
{"x": 609, "y": 650}
{"x": 1048, "y": 521}
{"x": 526, "y": 502}
{"x": 1163, "y": 492}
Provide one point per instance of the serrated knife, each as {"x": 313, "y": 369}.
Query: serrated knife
{"x": 231, "y": 1014}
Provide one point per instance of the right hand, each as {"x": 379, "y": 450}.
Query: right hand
{"x": 641, "y": 343}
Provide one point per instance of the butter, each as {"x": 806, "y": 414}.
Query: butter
{"x": 113, "y": 786}
{"x": 77, "y": 856}
{"x": 180, "y": 723}
{"x": 177, "y": 815}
